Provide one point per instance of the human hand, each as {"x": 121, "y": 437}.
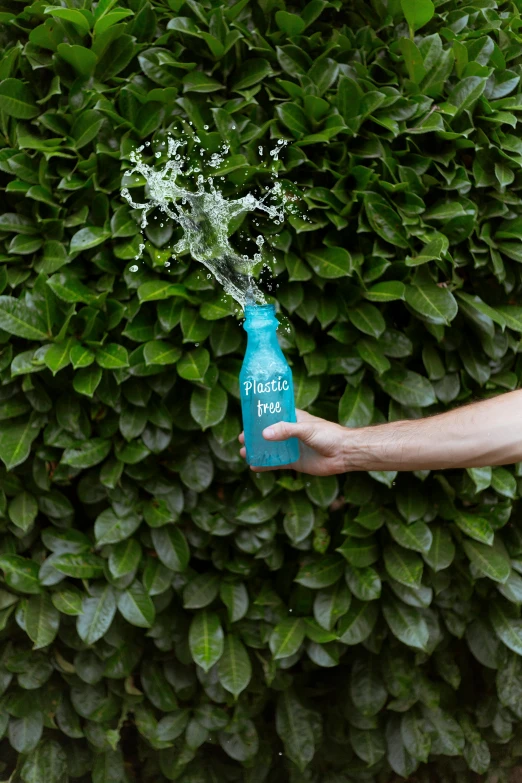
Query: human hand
{"x": 322, "y": 444}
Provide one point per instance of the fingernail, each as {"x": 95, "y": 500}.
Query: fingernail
{"x": 269, "y": 432}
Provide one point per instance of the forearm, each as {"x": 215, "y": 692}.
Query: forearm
{"x": 483, "y": 433}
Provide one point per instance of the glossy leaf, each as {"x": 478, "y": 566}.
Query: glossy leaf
{"x": 206, "y": 639}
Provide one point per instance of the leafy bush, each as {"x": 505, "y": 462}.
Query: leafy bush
{"x": 166, "y": 614}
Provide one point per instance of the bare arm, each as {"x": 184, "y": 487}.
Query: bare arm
{"x": 483, "y": 433}
{"x": 476, "y": 435}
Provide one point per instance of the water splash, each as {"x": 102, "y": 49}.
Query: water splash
{"x": 204, "y": 214}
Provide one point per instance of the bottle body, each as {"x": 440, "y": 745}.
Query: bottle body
{"x": 267, "y": 391}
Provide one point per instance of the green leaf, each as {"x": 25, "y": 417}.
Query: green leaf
{"x": 465, "y": 94}
{"x": 110, "y": 528}
{"x": 491, "y": 561}
{"x": 206, "y": 639}
{"x": 442, "y": 549}
{"x": 388, "y": 291}
{"x": 504, "y": 483}
{"x": 84, "y": 566}
{"x": 322, "y": 490}
{"x": 252, "y": 71}
{"x": 366, "y": 687}
{"x": 85, "y": 127}
{"x": 447, "y": 736}
{"x": 25, "y": 732}
{"x": 416, "y": 740}
{"x": 417, "y": 12}
{"x": 161, "y": 289}
{"x": 408, "y": 388}
{"x": 87, "y": 454}
{"x": 201, "y": 591}
{"x": 403, "y": 565}
{"x": 369, "y": 745}
{"x": 70, "y": 289}
{"x": 406, "y": 623}
{"x": 234, "y": 667}
{"x": 17, "y": 100}
{"x": 108, "y": 20}
{"x": 359, "y": 552}
{"x": 507, "y": 627}
{"x": 74, "y": 17}
{"x": 358, "y": 623}
{"x": 368, "y": 319}
{"x": 321, "y": 573}
{"x": 124, "y": 558}
{"x": 67, "y": 601}
{"x": 87, "y": 238}
{"x": 48, "y": 761}
{"x": 21, "y": 320}
{"x": 299, "y": 518}
{"x": 23, "y": 510}
{"x": 291, "y": 24}
{"x": 235, "y": 597}
{"x": 197, "y": 81}
{"x": 287, "y": 637}
{"x": 294, "y": 118}
{"x": 330, "y": 262}
{"x": 475, "y": 527}
{"x": 42, "y": 620}
{"x": 98, "y": 610}
{"x": 364, "y": 583}
{"x": 16, "y": 437}
{"x": 161, "y": 352}
{"x": 172, "y": 547}
{"x": 136, "y": 606}
{"x": 193, "y": 365}
{"x": 57, "y": 357}
{"x": 434, "y": 304}
{"x": 208, "y": 406}
{"x": 331, "y": 604}
{"x": 112, "y": 356}
{"x": 294, "y": 726}
{"x": 413, "y": 60}
{"x": 306, "y": 389}
{"x": 87, "y": 380}
{"x": 356, "y": 406}
{"x": 385, "y": 221}
{"x": 416, "y": 536}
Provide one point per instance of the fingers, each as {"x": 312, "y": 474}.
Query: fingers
{"x": 242, "y": 452}
{"x": 285, "y": 429}
{"x": 241, "y": 438}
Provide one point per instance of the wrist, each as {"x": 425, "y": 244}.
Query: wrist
{"x": 388, "y": 446}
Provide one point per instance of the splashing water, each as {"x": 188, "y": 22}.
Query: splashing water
{"x": 204, "y": 214}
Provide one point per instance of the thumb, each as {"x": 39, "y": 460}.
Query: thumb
{"x": 286, "y": 429}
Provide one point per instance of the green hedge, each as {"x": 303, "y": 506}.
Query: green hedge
{"x": 165, "y": 613}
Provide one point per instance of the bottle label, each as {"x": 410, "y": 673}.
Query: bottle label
{"x": 271, "y": 387}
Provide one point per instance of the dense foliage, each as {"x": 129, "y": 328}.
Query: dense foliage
{"x": 165, "y": 613}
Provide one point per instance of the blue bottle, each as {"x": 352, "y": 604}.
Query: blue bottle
{"x": 267, "y": 391}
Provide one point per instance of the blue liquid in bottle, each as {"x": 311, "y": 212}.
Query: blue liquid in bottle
{"x": 267, "y": 390}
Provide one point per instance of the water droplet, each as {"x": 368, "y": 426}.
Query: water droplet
{"x": 133, "y": 268}
{"x": 158, "y": 154}
{"x": 197, "y": 345}
{"x": 205, "y": 127}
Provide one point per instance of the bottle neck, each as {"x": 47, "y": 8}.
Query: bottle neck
{"x": 263, "y": 337}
